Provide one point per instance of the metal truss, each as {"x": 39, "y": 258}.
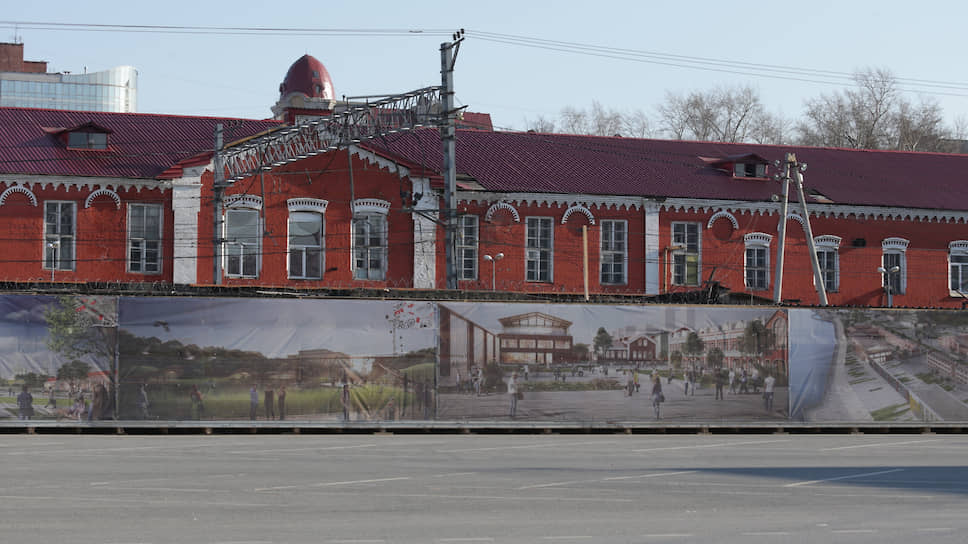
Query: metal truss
{"x": 357, "y": 123}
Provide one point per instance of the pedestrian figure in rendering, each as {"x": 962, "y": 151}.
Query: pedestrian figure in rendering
{"x": 743, "y": 382}
{"x": 732, "y": 381}
{"x": 253, "y": 402}
{"x": 143, "y": 401}
{"x": 657, "y": 396}
{"x": 25, "y": 403}
{"x": 525, "y": 372}
{"x": 768, "y": 384}
{"x": 51, "y": 399}
{"x": 270, "y": 403}
{"x": 477, "y": 382}
{"x": 198, "y": 409}
{"x": 344, "y": 399}
{"x": 513, "y": 393}
{"x": 281, "y": 396}
{"x": 720, "y": 383}
{"x": 635, "y": 379}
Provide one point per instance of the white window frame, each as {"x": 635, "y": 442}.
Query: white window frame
{"x": 828, "y": 253}
{"x": 55, "y": 242}
{"x": 304, "y": 251}
{"x": 757, "y": 278}
{"x": 958, "y": 249}
{"x": 142, "y": 244}
{"x": 534, "y": 254}
{"x": 468, "y": 247}
{"x": 895, "y": 248}
{"x": 370, "y": 217}
{"x": 232, "y": 249}
{"x": 680, "y": 256}
{"x": 617, "y": 273}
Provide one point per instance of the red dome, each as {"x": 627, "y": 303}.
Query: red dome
{"x": 309, "y": 77}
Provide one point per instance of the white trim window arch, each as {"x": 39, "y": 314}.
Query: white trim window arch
{"x": 756, "y": 271}
{"x": 144, "y": 238}
{"x": 242, "y": 236}
{"x": 828, "y": 257}
{"x": 894, "y": 254}
{"x": 60, "y": 226}
{"x": 306, "y": 238}
{"x": 958, "y": 268}
{"x": 369, "y": 238}
{"x": 614, "y": 251}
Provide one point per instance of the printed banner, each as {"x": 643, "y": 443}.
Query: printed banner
{"x": 525, "y": 362}
{"x": 276, "y": 359}
{"x": 57, "y": 357}
{"x": 863, "y": 366}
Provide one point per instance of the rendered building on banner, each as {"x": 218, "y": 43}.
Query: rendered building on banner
{"x": 633, "y": 216}
{"x": 27, "y": 84}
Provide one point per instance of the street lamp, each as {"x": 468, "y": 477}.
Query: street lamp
{"x": 493, "y": 261}
{"x": 53, "y": 246}
{"x": 888, "y": 273}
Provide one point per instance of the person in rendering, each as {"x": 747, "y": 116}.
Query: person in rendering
{"x": 270, "y": 402}
{"x": 732, "y": 381}
{"x": 657, "y": 396}
{"x": 768, "y": 384}
{"x": 51, "y": 399}
{"x": 143, "y": 401}
{"x": 198, "y": 409}
{"x": 720, "y": 383}
{"x": 25, "y": 403}
{"x": 344, "y": 399}
{"x": 513, "y": 393}
{"x": 253, "y": 402}
{"x": 281, "y": 396}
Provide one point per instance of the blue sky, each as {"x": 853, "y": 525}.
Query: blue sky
{"x": 238, "y": 76}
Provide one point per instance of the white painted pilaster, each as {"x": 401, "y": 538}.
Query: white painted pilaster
{"x": 186, "y": 204}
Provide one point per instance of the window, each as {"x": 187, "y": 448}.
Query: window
{"x": 614, "y": 252}
{"x": 144, "y": 238}
{"x": 87, "y": 140}
{"x": 894, "y": 262}
{"x": 369, "y": 246}
{"x": 749, "y": 170}
{"x": 828, "y": 257}
{"x": 538, "y": 250}
{"x": 59, "y": 235}
{"x": 958, "y": 258}
{"x": 757, "y": 271}
{"x": 685, "y": 256}
{"x": 242, "y": 243}
{"x": 305, "y": 245}
{"x": 467, "y": 239}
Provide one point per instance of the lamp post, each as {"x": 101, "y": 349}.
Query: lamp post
{"x": 888, "y": 274}
{"x": 493, "y": 260}
{"x": 53, "y": 247}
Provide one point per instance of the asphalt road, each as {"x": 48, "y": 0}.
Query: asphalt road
{"x": 375, "y": 489}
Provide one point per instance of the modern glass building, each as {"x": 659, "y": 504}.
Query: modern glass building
{"x": 26, "y": 84}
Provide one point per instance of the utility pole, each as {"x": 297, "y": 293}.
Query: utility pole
{"x": 798, "y": 170}
{"x": 780, "y": 252}
{"x": 448, "y": 136}
{"x": 218, "y": 187}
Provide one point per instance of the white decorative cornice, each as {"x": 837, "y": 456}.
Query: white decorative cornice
{"x": 314, "y": 205}
{"x": 827, "y": 241}
{"x": 251, "y": 202}
{"x": 76, "y": 183}
{"x": 591, "y": 202}
{"x": 489, "y": 215}
{"x": 831, "y": 211}
{"x": 757, "y": 239}
{"x": 894, "y": 244}
{"x": 958, "y": 246}
{"x": 18, "y": 189}
{"x": 103, "y": 192}
{"x": 381, "y": 162}
{"x": 371, "y": 205}
{"x": 720, "y": 215}
{"x": 580, "y": 209}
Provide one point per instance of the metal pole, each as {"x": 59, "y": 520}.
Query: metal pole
{"x": 817, "y": 276}
{"x": 781, "y": 250}
{"x": 584, "y": 243}
{"x": 494, "y": 275}
{"x": 449, "y": 138}
{"x": 218, "y": 186}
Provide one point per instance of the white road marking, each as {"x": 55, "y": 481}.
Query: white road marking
{"x": 526, "y": 447}
{"x": 555, "y": 484}
{"x": 468, "y": 539}
{"x": 374, "y": 541}
{"x": 529, "y": 498}
{"x": 453, "y": 474}
{"x": 329, "y": 484}
{"x": 767, "y": 533}
{"x": 849, "y": 476}
{"x": 668, "y": 535}
{"x": 654, "y": 475}
{"x": 717, "y": 445}
{"x": 571, "y": 537}
{"x": 935, "y": 529}
{"x": 29, "y": 444}
{"x": 851, "y": 531}
{"x": 318, "y": 448}
{"x": 173, "y": 477}
{"x": 879, "y": 444}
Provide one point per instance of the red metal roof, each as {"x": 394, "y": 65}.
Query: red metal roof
{"x": 140, "y": 145}
{"x": 563, "y": 163}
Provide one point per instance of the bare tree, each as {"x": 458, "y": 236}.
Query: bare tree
{"x": 873, "y": 115}
{"x": 723, "y": 114}
{"x": 595, "y": 121}
{"x": 542, "y": 124}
